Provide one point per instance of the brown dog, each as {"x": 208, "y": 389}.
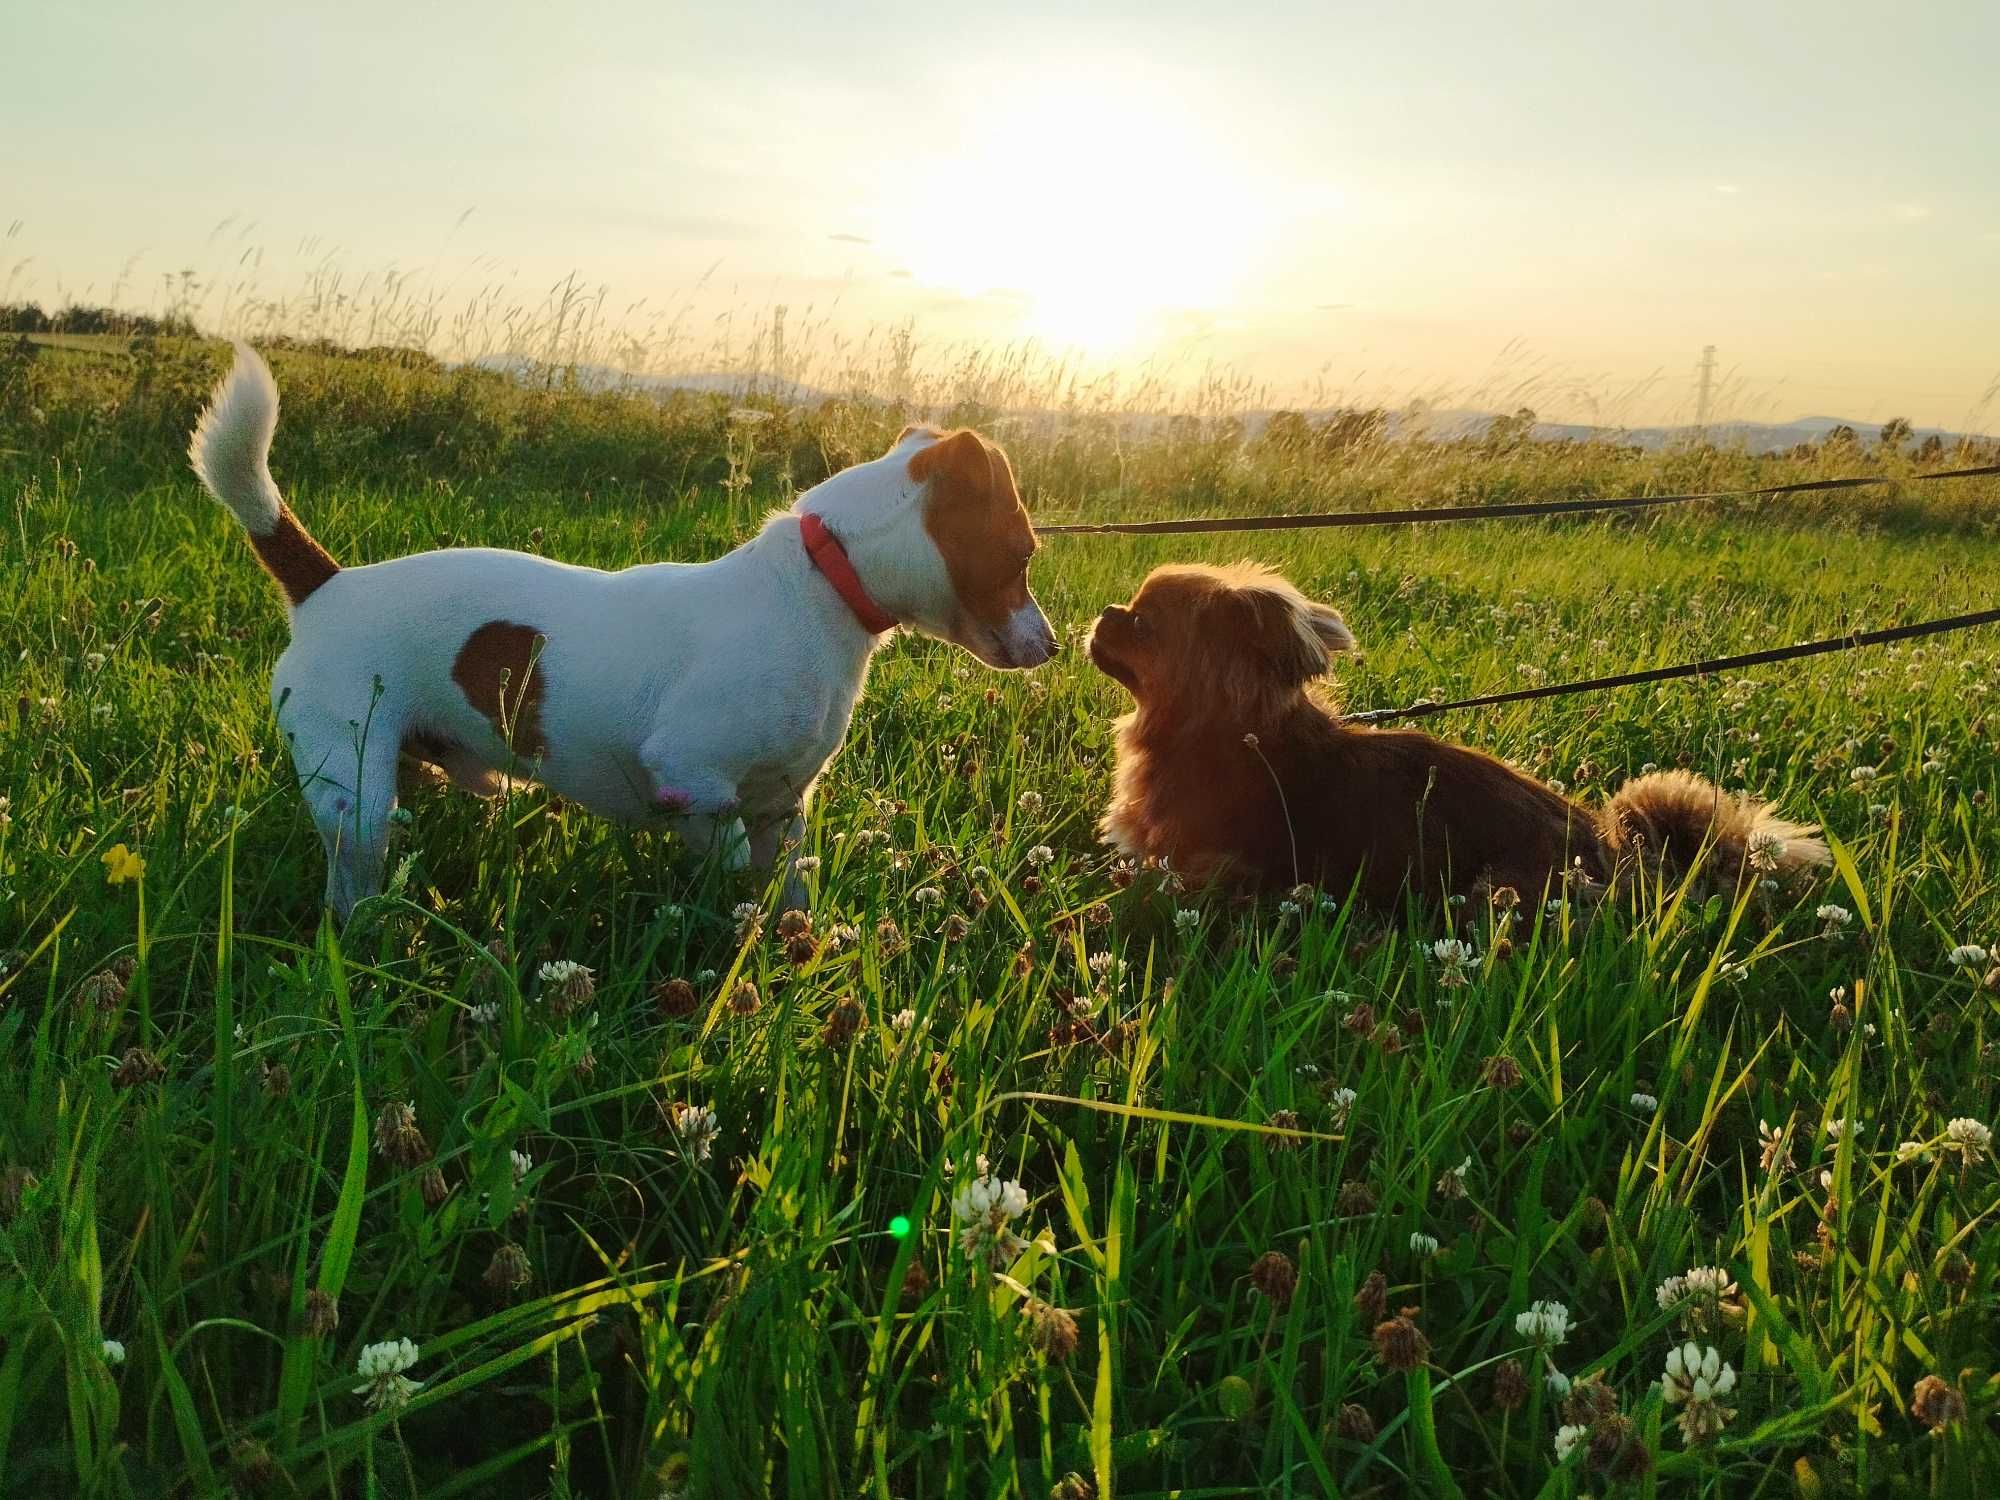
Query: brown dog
{"x": 1230, "y": 769}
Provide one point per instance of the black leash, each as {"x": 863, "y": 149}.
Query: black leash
{"x": 1418, "y": 515}
{"x": 1425, "y": 710}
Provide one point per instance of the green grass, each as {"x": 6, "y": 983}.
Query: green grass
{"x": 751, "y": 1322}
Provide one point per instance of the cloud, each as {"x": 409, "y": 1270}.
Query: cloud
{"x": 1910, "y": 213}
{"x": 851, "y": 239}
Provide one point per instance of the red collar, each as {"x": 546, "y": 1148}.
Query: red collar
{"x": 826, "y": 554}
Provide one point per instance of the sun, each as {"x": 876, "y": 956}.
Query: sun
{"x": 1101, "y": 209}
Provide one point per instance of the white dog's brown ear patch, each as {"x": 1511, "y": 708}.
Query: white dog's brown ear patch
{"x": 975, "y": 517}
{"x": 499, "y": 671}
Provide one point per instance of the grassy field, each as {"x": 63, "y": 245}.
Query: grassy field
{"x": 239, "y": 1149}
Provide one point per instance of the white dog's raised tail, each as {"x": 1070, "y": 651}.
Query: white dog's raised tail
{"x": 231, "y": 450}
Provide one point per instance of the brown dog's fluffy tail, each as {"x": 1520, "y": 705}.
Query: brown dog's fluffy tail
{"x": 1670, "y": 819}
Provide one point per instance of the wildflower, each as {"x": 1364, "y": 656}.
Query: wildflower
{"x": 1909, "y": 1151}
{"x": 1645, "y": 1103}
{"x": 121, "y": 865}
{"x": 744, "y": 999}
{"x": 1589, "y": 1400}
{"x": 1029, "y": 803}
{"x": 749, "y": 919}
{"x": 1399, "y": 1343}
{"x": 1966, "y": 956}
{"x": 1451, "y": 1182}
{"x": 522, "y": 1164}
{"x": 927, "y": 895}
{"x": 1544, "y": 1324}
{"x": 1287, "y": 1122}
{"x": 138, "y": 1065}
{"x": 1342, "y": 1103}
{"x": 509, "y": 1270}
{"x": 1835, "y": 1129}
{"x": 1510, "y": 1385}
{"x": 1051, "y": 1330}
{"x": 1354, "y": 1424}
{"x": 566, "y": 985}
{"x": 322, "y": 1314}
{"x": 842, "y": 936}
{"x": 985, "y": 1208}
{"x": 1557, "y": 1382}
{"x": 1275, "y": 1278}
{"x": 1454, "y": 958}
{"x": 1041, "y": 855}
{"x": 806, "y": 864}
{"x": 1776, "y": 1157}
{"x": 1616, "y": 1449}
{"x": 432, "y": 1185}
{"x": 1969, "y": 1138}
{"x": 903, "y": 1019}
{"x": 1287, "y": 909}
{"x": 1500, "y": 1072}
{"x": 697, "y": 1128}
{"x": 114, "y": 1352}
{"x": 1936, "y": 1404}
{"x": 1833, "y": 919}
{"x": 103, "y": 991}
{"x": 1568, "y": 1440}
{"x": 1766, "y": 851}
{"x": 844, "y": 1023}
{"x": 1423, "y": 1245}
{"x": 1703, "y": 1298}
{"x": 1186, "y": 919}
{"x": 1733, "y": 971}
{"x": 1862, "y": 774}
{"x": 1696, "y": 1381}
{"x": 381, "y": 1368}
{"x": 889, "y": 937}
{"x": 674, "y": 999}
{"x": 397, "y": 1136}
{"x": 1371, "y": 1298}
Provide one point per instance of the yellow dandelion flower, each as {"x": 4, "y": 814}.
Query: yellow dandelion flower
{"x": 121, "y": 865}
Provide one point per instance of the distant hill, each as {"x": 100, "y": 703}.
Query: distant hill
{"x": 1459, "y": 423}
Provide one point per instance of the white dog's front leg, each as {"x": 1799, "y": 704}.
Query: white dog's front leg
{"x": 723, "y": 836}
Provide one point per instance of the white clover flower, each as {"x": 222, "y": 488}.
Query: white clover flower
{"x": 523, "y": 1165}
{"x": 1568, "y": 1437}
{"x": 1645, "y": 1103}
{"x": 1544, "y": 1324}
{"x": 927, "y": 895}
{"x": 1696, "y": 1381}
{"x": 1776, "y": 1157}
{"x": 1342, "y": 1103}
{"x": 1453, "y": 958}
{"x": 1186, "y": 919}
{"x": 483, "y": 1014}
{"x": 1966, "y": 955}
{"x": 697, "y": 1128}
{"x": 114, "y": 1352}
{"x": 1862, "y": 774}
{"x": 842, "y": 936}
{"x": 1424, "y": 1245}
{"x": 1733, "y": 971}
{"x": 806, "y": 864}
{"x": 745, "y": 911}
{"x": 903, "y": 1019}
{"x": 381, "y": 1368}
{"x": 1288, "y": 909}
{"x": 1560, "y": 788}
{"x": 1041, "y": 855}
{"x": 1908, "y": 1151}
{"x": 1835, "y": 1129}
{"x": 94, "y": 660}
{"x": 985, "y": 1208}
{"x": 1766, "y": 851}
{"x": 1029, "y": 803}
{"x": 1969, "y": 1138}
{"x": 1328, "y": 906}
{"x": 1833, "y": 919}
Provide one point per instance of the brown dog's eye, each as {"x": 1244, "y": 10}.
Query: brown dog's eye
{"x": 1137, "y": 621}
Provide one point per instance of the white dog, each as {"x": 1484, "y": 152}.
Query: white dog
{"x": 708, "y": 697}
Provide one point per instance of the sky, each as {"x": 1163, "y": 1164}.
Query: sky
{"x": 1462, "y": 201}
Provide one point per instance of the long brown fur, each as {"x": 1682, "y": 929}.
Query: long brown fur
{"x": 1231, "y": 769}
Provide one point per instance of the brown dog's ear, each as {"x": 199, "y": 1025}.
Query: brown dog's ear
{"x": 960, "y": 458}
{"x": 1294, "y": 634}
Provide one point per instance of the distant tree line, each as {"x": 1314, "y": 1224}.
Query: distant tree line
{"x": 28, "y": 317}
